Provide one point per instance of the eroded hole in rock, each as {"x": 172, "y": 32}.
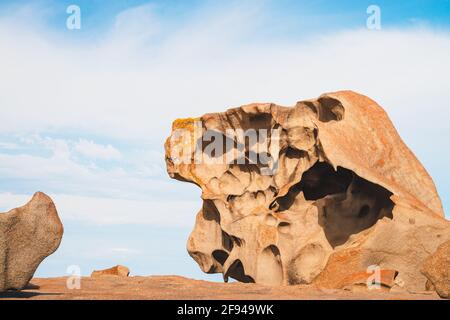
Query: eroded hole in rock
{"x": 316, "y": 183}
{"x": 321, "y": 180}
{"x": 259, "y": 121}
{"x": 330, "y": 109}
{"x": 241, "y": 148}
{"x": 237, "y": 241}
{"x": 285, "y": 202}
{"x": 215, "y": 144}
{"x": 364, "y": 211}
{"x": 284, "y": 227}
{"x": 269, "y": 267}
{"x": 273, "y": 190}
{"x": 347, "y": 203}
{"x": 275, "y": 206}
{"x": 293, "y": 153}
{"x": 220, "y": 256}
{"x": 237, "y": 272}
{"x": 229, "y": 241}
{"x": 210, "y": 211}
{"x": 363, "y": 204}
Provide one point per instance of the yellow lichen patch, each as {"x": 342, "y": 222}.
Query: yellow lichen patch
{"x": 184, "y": 123}
{"x": 182, "y": 140}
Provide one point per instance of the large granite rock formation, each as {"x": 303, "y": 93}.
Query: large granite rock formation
{"x": 333, "y": 192}
{"x": 27, "y": 236}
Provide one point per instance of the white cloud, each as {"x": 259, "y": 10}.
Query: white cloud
{"x": 137, "y": 24}
{"x": 204, "y": 66}
{"x": 113, "y": 211}
{"x": 131, "y": 85}
{"x": 125, "y": 251}
{"x": 8, "y": 146}
{"x": 54, "y": 165}
{"x": 93, "y": 150}
{"x": 10, "y": 201}
{"x": 118, "y": 211}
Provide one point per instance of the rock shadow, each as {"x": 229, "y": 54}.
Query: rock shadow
{"x": 347, "y": 203}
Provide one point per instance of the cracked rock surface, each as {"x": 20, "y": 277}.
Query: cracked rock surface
{"x": 343, "y": 194}
{"x": 27, "y": 236}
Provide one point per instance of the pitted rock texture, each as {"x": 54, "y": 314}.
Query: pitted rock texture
{"x": 347, "y": 194}
{"x": 27, "y": 236}
{"x": 437, "y": 269}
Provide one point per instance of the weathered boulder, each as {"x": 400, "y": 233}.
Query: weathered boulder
{"x": 28, "y": 235}
{"x": 118, "y": 270}
{"x": 309, "y": 194}
{"x": 437, "y": 269}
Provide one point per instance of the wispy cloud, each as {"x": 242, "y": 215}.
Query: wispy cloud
{"x": 86, "y": 168}
{"x": 206, "y": 65}
{"x": 130, "y": 91}
{"x": 113, "y": 211}
{"x": 8, "y": 146}
{"x": 93, "y": 150}
{"x": 124, "y": 251}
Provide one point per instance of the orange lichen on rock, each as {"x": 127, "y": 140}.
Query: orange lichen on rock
{"x": 184, "y": 123}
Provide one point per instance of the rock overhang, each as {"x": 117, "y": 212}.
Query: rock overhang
{"x": 339, "y": 168}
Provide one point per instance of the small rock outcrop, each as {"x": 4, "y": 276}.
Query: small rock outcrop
{"x": 118, "y": 270}
{"x": 28, "y": 235}
{"x": 437, "y": 269}
{"x": 310, "y": 194}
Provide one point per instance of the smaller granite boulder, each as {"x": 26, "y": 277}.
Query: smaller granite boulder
{"x": 28, "y": 235}
{"x": 437, "y": 269}
{"x": 118, "y": 270}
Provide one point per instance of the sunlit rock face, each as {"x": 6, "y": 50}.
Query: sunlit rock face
{"x": 306, "y": 194}
{"x": 28, "y": 235}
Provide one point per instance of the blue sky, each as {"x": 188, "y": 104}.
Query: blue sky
{"x": 287, "y": 17}
{"x": 85, "y": 112}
